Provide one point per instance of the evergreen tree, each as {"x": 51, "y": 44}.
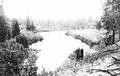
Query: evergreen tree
{"x": 3, "y": 29}
{"x": 111, "y": 18}
{"x": 15, "y": 28}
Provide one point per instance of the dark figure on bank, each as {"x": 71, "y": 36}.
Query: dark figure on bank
{"x": 79, "y": 54}
{"x": 21, "y": 39}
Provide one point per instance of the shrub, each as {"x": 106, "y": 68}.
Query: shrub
{"x": 3, "y": 29}
{"x": 15, "y": 28}
{"x": 12, "y": 56}
{"x": 30, "y": 25}
{"x": 21, "y": 39}
{"x": 15, "y": 60}
{"x": 34, "y": 39}
{"x": 29, "y": 66}
{"x": 46, "y": 73}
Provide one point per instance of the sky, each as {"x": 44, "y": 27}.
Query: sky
{"x": 54, "y": 9}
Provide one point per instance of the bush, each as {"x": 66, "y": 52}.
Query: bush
{"x": 15, "y": 60}
{"x": 21, "y": 39}
{"x": 12, "y": 56}
{"x": 30, "y": 25}
{"x": 34, "y": 39}
{"x": 46, "y": 73}
{"x": 3, "y": 29}
{"x": 29, "y": 67}
{"x": 15, "y": 28}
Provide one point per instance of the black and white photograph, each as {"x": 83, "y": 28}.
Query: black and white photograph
{"x": 59, "y": 37}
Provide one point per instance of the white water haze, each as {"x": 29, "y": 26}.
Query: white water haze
{"x": 54, "y": 9}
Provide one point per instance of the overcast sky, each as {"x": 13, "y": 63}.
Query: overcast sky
{"x": 54, "y": 9}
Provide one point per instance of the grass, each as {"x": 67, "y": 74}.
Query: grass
{"x": 83, "y": 68}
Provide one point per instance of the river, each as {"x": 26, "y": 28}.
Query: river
{"x": 55, "y": 49}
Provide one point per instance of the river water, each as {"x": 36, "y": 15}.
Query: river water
{"x": 55, "y": 49}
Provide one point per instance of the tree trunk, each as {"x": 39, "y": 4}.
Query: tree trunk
{"x": 117, "y": 21}
{"x": 119, "y": 33}
{"x": 113, "y": 38}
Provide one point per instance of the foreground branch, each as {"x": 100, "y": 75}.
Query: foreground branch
{"x": 109, "y": 71}
{"x": 115, "y": 62}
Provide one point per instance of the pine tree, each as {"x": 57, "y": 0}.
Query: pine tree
{"x": 15, "y": 28}
{"x": 3, "y": 29}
